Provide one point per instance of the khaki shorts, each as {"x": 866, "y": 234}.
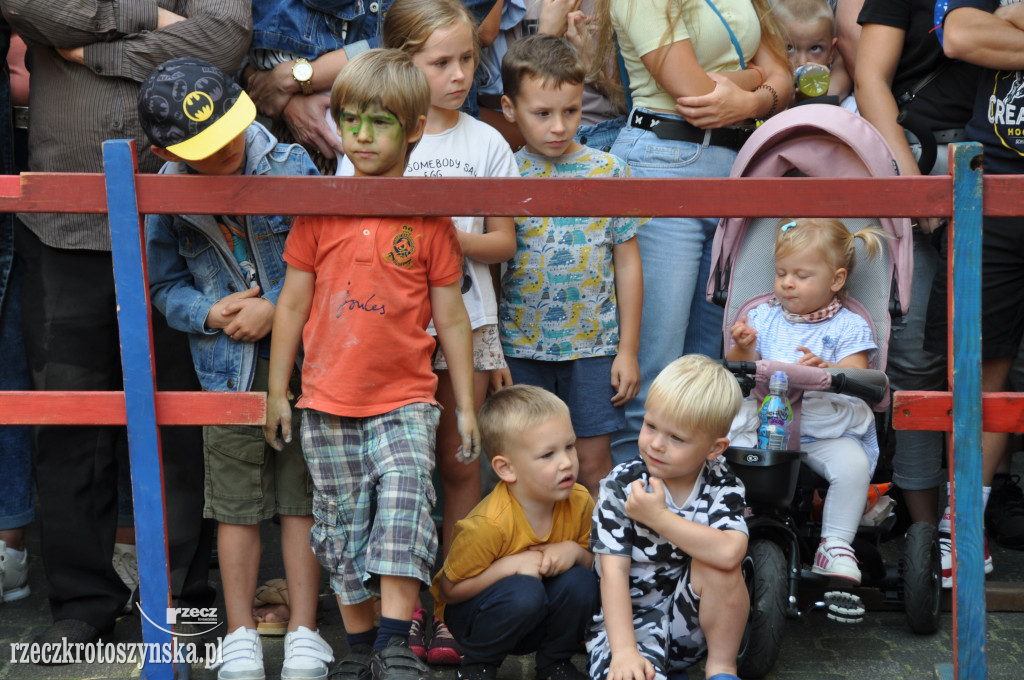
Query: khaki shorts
{"x": 487, "y": 354}
{"x": 247, "y": 481}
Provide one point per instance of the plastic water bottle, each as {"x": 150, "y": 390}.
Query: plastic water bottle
{"x": 775, "y": 415}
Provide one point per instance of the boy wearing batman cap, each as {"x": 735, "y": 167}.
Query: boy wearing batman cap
{"x": 217, "y": 277}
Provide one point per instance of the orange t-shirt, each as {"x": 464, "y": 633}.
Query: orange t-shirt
{"x": 366, "y": 348}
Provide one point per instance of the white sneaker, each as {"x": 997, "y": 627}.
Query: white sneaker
{"x": 306, "y": 655}
{"x": 242, "y": 654}
{"x": 126, "y": 564}
{"x": 835, "y": 558}
{"x": 13, "y": 575}
{"x": 946, "y": 552}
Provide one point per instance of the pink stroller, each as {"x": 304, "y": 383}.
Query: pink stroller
{"x": 814, "y": 140}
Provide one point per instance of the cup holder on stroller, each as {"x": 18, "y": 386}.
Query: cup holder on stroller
{"x": 769, "y": 475}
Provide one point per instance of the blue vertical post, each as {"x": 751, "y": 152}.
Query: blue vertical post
{"x": 965, "y": 350}
{"x": 133, "y": 320}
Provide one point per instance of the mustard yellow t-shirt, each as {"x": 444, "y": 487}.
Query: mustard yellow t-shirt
{"x": 641, "y": 26}
{"x": 497, "y": 527}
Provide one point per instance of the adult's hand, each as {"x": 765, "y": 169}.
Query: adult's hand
{"x": 271, "y": 90}
{"x": 306, "y": 117}
{"x": 727, "y": 104}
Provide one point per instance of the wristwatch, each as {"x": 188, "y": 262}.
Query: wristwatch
{"x": 302, "y": 71}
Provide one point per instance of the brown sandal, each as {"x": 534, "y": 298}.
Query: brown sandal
{"x": 272, "y": 593}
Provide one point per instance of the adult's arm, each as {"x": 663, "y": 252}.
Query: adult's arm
{"x": 129, "y": 39}
{"x": 979, "y": 37}
{"x": 877, "y": 58}
{"x": 848, "y": 31}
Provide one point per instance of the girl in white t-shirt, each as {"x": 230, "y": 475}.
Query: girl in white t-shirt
{"x": 441, "y": 37}
{"x": 806, "y": 323}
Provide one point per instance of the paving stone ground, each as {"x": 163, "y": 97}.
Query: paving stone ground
{"x": 814, "y": 648}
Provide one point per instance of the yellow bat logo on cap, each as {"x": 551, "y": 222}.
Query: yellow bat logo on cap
{"x": 197, "y": 106}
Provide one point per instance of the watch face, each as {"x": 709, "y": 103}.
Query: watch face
{"x": 302, "y": 71}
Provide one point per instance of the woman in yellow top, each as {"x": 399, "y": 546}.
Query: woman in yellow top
{"x": 696, "y": 72}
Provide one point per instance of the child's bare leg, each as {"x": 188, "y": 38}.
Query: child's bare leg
{"x": 460, "y": 482}
{"x": 724, "y": 608}
{"x": 595, "y": 454}
{"x": 301, "y": 569}
{"x": 399, "y": 596}
{"x": 238, "y": 547}
{"x": 357, "y": 618}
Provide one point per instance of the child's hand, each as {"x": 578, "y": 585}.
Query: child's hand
{"x": 558, "y": 557}
{"x": 469, "y": 450}
{"x": 744, "y": 335}
{"x": 630, "y": 665}
{"x": 279, "y": 413}
{"x": 500, "y": 379}
{"x": 526, "y": 563}
{"x": 581, "y": 32}
{"x": 810, "y": 359}
{"x": 646, "y": 506}
{"x": 223, "y": 311}
{"x": 554, "y": 16}
{"x": 249, "y": 318}
{"x": 625, "y": 378}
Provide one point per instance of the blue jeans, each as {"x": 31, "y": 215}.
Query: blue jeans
{"x": 17, "y": 507}
{"x": 602, "y": 135}
{"x": 676, "y": 256}
{"x": 521, "y": 614}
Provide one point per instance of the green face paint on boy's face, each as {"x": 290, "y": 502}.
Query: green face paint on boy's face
{"x": 374, "y": 141}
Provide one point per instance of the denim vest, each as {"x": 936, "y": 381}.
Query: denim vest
{"x": 191, "y": 267}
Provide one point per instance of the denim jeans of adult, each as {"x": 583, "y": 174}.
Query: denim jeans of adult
{"x": 601, "y": 136}
{"x": 676, "y": 318}
{"x": 71, "y": 338}
{"x": 17, "y": 507}
{"x": 521, "y": 614}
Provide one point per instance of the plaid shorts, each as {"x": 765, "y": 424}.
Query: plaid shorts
{"x": 373, "y": 496}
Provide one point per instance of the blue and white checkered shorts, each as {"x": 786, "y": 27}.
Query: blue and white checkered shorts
{"x": 373, "y": 496}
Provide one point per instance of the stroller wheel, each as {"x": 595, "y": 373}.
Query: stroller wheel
{"x": 921, "y": 571}
{"x": 765, "y": 571}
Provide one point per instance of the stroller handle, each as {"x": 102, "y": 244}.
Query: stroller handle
{"x": 864, "y": 383}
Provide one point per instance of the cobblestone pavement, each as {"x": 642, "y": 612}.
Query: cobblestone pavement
{"x": 882, "y": 647}
{"x": 814, "y": 648}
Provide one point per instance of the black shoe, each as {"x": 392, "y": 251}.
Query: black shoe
{"x": 478, "y": 671}
{"x": 561, "y": 670}
{"x": 397, "y": 662}
{"x": 355, "y": 665}
{"x": 1004, "y": 514}
{"x": 69, "y": 632}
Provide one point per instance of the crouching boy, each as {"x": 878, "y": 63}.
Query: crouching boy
{"x": 669, "y": 536}
{"x": 518, "y": 576}
{"x": 217, "y": 278}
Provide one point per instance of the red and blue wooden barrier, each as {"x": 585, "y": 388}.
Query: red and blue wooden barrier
{"x": 124, "y": 195}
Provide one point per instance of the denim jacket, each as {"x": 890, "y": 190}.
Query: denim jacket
{"x": 309, "y": 28}
{"x": 191, "y": 267}
{"x": 6, "y": 159}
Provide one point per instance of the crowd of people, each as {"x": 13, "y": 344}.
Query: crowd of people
{"x": 573, "y": 352}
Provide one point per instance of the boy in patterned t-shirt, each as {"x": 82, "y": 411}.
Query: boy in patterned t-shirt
{"x": 571, "y": 297}
{"x": 669, "y": 536}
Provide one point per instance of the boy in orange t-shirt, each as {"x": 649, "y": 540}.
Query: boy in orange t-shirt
{"x": 359, "y": 293}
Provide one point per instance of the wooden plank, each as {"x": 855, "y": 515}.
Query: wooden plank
{"x": 900, "y": 196}
{"x": 905, "y": 196}
{"x": 911, "y": 410}
{"x": 136, "y": 334}
{"x": 964, "y": 301}
{"x": 107, "y": 408}
{"x": 77, "y": 192}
